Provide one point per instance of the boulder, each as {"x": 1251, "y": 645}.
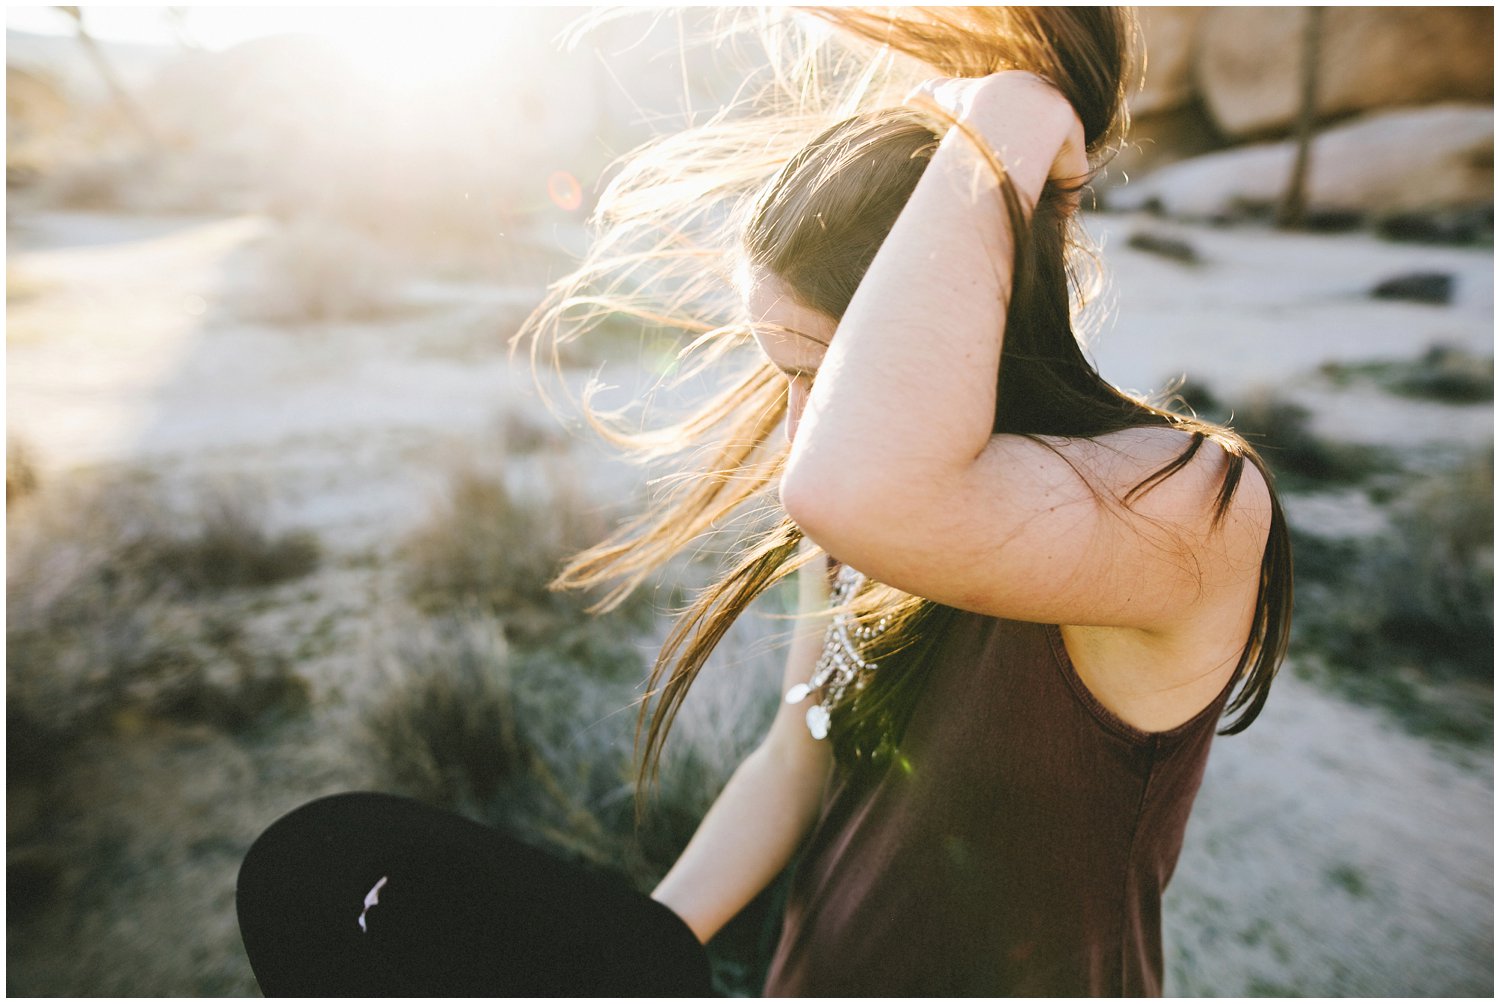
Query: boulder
{"x": 1170, "y": 34}
{"x": 1410, "y": 160}
{"x": 1247, "y": 63}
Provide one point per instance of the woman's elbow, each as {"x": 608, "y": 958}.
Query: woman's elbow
{"x": 831, "y": 505}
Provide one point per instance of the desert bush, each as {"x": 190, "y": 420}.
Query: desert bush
{"x": 148, "y": 656}
{"x": 1443, "y": 373}
{"x": 541, "y": 743}
{"x": 1395, "y": 613}
{"x": 582, "y": 727}
{"x": 1461, "y": 225}
{"x": 99, "y": 174}
{"x": 229, "y": 547}
{"x": 490, "y": 545}
{"x": 1429, "y": 586}
{"x": 107, "y": 183}
{"x": 445, "y": 726}
{"x": 312, "y": 270}
{"x": 1446, "y": 373}
{"x": 1281, "y": 431}
{"x": 724, "y": 718}
{"x": 122, "y": 535}
{"x": 1164, "y": 246}
{"x": 110, "y": 608}
{"x": 20, "y": 473}
{"x": 524, "y": 434}
{"x": 561, "y": 715}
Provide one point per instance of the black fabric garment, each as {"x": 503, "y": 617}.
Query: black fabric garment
{"x": 463, "y": 910}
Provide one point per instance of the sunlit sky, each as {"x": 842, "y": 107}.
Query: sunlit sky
{"x": 422, "y": 41}
{"x": 220, "y": 27}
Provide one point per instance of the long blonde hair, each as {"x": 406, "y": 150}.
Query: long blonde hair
{"x": 806, "y": 186}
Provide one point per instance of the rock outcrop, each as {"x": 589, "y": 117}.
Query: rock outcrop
{"x": 1387, "y": 162}
{"x": 1171, "y": 34}
{"x": 1246, "y": 62}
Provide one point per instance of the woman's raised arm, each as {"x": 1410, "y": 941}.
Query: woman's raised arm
{"x": 895, "y": 467}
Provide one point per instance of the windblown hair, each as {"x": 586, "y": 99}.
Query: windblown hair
{"x": 806, "y": 190}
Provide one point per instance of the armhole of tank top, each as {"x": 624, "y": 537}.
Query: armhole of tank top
{"x": 1113, "y": 722}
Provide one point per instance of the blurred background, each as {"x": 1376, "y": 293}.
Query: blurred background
{"x": 280, "y": 509}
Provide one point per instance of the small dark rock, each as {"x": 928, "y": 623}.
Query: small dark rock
{"x": 1165, "y": 247}
{"x": 1418, "y": 287}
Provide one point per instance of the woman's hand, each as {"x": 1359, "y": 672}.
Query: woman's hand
{"x": 1025, "y": 120}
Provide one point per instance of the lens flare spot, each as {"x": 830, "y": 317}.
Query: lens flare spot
{"x": 564, "y": 191}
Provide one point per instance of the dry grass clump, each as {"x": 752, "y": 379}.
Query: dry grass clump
{"x": 107, "y": 183}
{"x": 492, "y": 546}
{"x": 524, "y": 434}
{"x": 20, "y": 472}
{"x": 112, "y": 607}
{"x": 228, "y": 547}
{"x": 313, "y": 270}
{"x": 1281, "y": 431}
{"x": 444, "y": 727}
{"x": 1443, "y": 373}
{"x": 1407, "y": 617}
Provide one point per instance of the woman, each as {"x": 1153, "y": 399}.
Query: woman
{"x": 1027, "y": 597}
{"x": 1047, "y": 590}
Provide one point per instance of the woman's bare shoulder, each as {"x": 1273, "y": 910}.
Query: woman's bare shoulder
{"x": 1103, "y": 531}
{"x": 1126, "y": 463}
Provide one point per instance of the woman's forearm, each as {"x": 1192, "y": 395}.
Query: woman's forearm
{"x": 744, "y": 842}
{"x": 770, "y": 803}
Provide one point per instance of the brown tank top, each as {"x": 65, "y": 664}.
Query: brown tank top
{"x": 1020, "y": 850}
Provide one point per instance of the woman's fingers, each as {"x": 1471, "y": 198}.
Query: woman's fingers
{"x": 1004, "y": 106}
{"x": 958, "y": 95}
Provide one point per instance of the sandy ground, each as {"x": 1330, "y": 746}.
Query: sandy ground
{"x": 1330, "y": 854}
